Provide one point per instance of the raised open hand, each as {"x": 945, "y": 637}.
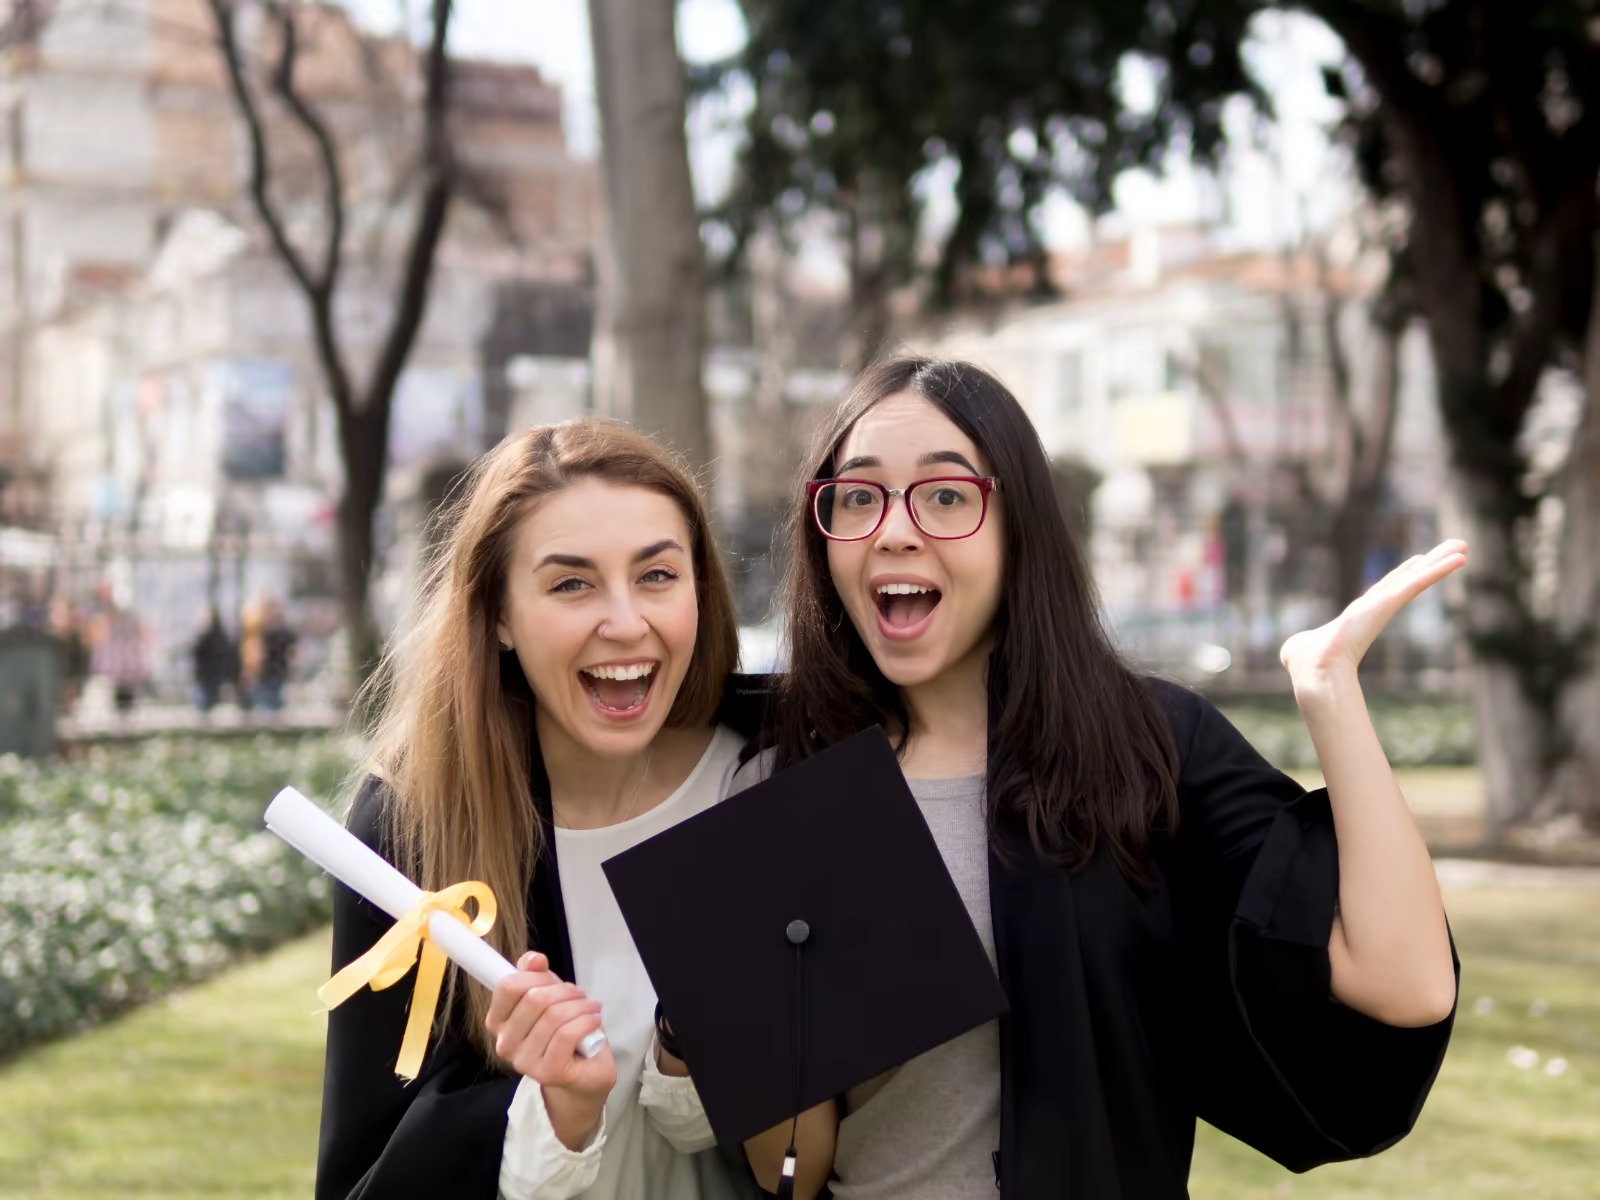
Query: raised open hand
{"x": 1316, "y": 655}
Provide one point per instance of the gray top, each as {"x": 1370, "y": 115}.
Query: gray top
{"x": 927, "y": 1129}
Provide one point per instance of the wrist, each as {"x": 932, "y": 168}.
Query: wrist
{"x": 669, "y": 1056}
{"x": 669, "y": 1064}
{"x": 1325, "y": 684}
{"x": 573, "y": 1115}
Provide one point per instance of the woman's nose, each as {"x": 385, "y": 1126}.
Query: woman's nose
{"x": 898, "y": 531}
{"x": 623, "y": 622}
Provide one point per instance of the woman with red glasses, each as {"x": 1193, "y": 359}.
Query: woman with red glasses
{"x": 1181, "y": 930}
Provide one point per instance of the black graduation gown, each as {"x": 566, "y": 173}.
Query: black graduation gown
{"x": 1135, "y": 1011}
{"x": 443, "y": 1134}
{"x": 1132, "y": 1011}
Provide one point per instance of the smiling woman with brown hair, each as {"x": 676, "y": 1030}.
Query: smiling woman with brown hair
{"x": 552, "y": 705}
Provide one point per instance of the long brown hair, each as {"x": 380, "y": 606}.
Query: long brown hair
{"x": 1080, "y": 753}
{"x": 455, "y": 739}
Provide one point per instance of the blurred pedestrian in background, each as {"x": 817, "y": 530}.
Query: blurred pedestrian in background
{"x": 216, "y": 663}
{"x": 119, "y": 653}
{"x": 67, "y": 625}
{"x": 267, "y": 646}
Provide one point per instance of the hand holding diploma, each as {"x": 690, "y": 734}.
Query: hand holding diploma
{"x": 539, "y": 1022}
{"x": 429, "y": 926}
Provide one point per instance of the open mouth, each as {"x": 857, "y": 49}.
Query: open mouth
{"x": 619, "y": 690}
{"x": 904, "y": 607}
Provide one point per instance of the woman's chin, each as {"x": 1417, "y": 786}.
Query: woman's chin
{"x": 910, "y": 670}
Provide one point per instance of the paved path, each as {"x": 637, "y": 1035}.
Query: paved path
{"x": 157, "y": 720}
{"x": 1472, "y": 872}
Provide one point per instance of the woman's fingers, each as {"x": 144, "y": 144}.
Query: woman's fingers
{"x": 557, "y": 1015}
{"x": 532, "y": 971}
{"x": 537, "y": 1022}
{"x": 564, "y": 1042}
{"x": 1430, "y": 570}
{"x": 514, "y": 1027}
{"x": 1348, "y": 637}
{"x": 1415, "y": 576}
{"x": 505, "y": 997}
{"x": 545, "y": 1051}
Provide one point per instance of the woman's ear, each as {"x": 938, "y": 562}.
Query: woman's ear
{"x": 504, "y": 634}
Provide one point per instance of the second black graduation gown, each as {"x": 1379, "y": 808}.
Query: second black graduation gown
{"x": 1134, "y": 1011}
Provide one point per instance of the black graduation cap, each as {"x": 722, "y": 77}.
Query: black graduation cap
{"x": 804, "y": 937}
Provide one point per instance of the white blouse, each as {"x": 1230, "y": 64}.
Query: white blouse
{"x": 653, "y": 1125}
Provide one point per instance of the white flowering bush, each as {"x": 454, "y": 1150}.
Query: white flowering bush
{"x": 1419, "y": 733}
{"x": 142, "y": 868}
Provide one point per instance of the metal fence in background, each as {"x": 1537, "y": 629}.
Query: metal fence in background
{"x": 128, "y": 614}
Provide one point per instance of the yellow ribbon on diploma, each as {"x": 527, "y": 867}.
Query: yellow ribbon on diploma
{"x": 392, "y": 956}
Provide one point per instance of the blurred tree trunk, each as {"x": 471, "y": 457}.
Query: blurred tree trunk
{"x": 1577, "y": 785}
{"x": 361, "y": 409}
{"x": 1366, "y": 440}
{"x": 880, "y": 245}
{"x": 1456, "y": 147}
{"x": 1509, "y": 720}
{"x": 651, "y": 344}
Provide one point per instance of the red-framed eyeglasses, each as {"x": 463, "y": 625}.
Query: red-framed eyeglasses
{"x": 946, "y": 508}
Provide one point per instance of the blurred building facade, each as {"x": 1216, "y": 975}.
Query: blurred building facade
{"x": 1195, "y": 388}
{"x": 163, "y": 416}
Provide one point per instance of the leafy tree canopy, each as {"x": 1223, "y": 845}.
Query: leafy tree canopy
{"x": 854, "y": 102}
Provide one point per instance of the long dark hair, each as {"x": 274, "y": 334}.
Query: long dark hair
{"x": 1080, "y": 752}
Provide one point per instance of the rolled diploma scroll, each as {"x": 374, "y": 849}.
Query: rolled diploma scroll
{"x": 356, "y": 865}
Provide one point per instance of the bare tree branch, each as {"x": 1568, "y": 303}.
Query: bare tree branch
{"x": 311, "y": 121}
{"x": 1378, "y": 440}
{"x": 1338, "y": 358}
{"x": 439, "y": 182}
{"x": 1215, "y": 394}
{"x": 260, "y": 169}
{"x": 317, "y": 288}
{"x": 1347, "y": 449}
{"x": 362, "y": 417}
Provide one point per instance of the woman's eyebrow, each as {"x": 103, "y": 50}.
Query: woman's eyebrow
{"x": 865, "y": 460}
{"x": 946, "y": 456}
{"x": 655, "y": 548}
{"x": 927, "y": 460}
{"x": 578, "y": 563}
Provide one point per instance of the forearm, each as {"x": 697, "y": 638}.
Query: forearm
{"x": 814, "y": 1142}
{"x": 1390, "y": 948}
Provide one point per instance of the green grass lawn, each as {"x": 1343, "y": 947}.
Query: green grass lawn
{"x": 215, "y": 1092}
{"x": 1490, "y": 1129}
